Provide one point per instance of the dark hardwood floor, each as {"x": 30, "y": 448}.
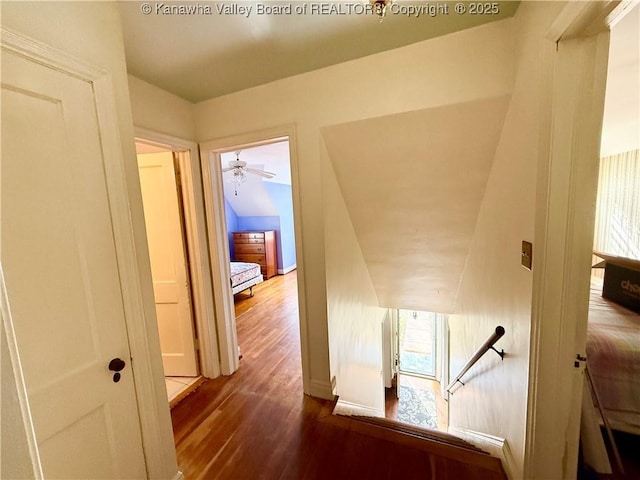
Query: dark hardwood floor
{"x": 628, "y": 448}
{"x": 257, "y": 424}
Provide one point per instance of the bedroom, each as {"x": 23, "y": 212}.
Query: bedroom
{"x": 258, "y": 204}
{"x": 259, "y": 217}
{"x": 613, "y": 334}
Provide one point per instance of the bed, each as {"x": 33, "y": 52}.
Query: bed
{"x": 244, "y": 276}
{"x": 613, "y": 360}
{"x": 613, "y": 353}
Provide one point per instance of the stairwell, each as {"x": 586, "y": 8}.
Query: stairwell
{"x": 451, "y": 456}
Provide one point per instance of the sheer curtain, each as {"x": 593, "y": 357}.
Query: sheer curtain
{"x": 617, "y": 229}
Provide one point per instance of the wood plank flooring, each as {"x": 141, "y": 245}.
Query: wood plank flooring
{"x": 257, "y": 424}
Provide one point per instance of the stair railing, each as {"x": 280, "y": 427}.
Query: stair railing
{"x": 486, "y": 346}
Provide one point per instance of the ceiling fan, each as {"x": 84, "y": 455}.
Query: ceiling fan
{"x": 240, "y": 170}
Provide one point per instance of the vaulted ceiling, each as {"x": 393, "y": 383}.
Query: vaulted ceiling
{"x": 426, "y": 172}
{"x": 253, "y": 199}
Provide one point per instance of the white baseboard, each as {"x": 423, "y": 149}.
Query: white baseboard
{"x": 321, "y": 389}
{"x": 179, "y": 476}
{"x": 495, "y": 446}
{"x": 352, "y": 409}
{"x": 284, "y": 271}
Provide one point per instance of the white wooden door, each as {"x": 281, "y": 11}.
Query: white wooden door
{"x": 62, "y": 280}
{"x": 168, "y": 264}
{"x": 396, "y": 349}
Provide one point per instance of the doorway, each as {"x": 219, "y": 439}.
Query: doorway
{"x": 216, "y": 157}
{"x": 417, "y": 343}
{"x": 259, "y": 223}
{"x": 421, "y": 354}
{"x": 170, "y": 200}
{"x": 160, "y": 183}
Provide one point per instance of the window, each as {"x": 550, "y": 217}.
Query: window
{"x": 617, "y": 229}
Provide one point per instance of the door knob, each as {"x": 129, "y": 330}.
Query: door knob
{"x": 116, "y": 365}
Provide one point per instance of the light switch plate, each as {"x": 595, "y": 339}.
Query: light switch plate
{"x": 527, "y": 255}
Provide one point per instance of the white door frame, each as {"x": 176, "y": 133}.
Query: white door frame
{"x": 196, "y": 232}
{"x": 25, "y": 458}
{"x": 155, "y": 421}
{"x": 574, "y": 72}
{"x": 219, "y": 246}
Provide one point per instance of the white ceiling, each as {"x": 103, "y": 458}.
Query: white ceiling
{"x": 273, "y": 157}
{"x": 253, "y": 199}
{"x": 415, "y": 214}
{"x": 203, "y": 56}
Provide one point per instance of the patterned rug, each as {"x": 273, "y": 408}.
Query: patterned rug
{"x": 417, "y": 407}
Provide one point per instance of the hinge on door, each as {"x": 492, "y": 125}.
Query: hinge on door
{"x": 176, "y": 169}
{"x": 187, "y": 286}
{"x": 196, "y": 343}
{"x": 579, "y": 358}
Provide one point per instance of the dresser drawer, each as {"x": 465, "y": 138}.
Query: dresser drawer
{"x": 252, "y": 258}
{"x": 247, "y": 240}
{"x": 257, "y": 247}
{"x": 249, "y": 248}
{"x": 247, "y": 236}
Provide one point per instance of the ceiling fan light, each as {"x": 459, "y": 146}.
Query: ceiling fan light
{"x": 239, "y": 171}
{"x": 238, "y": 176}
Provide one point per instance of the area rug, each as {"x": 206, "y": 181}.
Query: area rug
{"x": 417, "y": 407}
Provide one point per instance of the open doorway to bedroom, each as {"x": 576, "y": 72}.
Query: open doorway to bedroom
{"x": 613, "y": 327}
{"x": 258, "y": 210}
{"x": 250, "y": 199}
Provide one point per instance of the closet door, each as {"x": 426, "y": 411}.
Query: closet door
{"x": 62, "y": 278}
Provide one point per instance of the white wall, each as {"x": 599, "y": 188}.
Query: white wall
{"x": 160, "y": 111}
{"x": 91, "y": 31}
{"x": 621, "y": 125}
{"x": 354, "y": 318}
{"x": 496, "y": 289}
{"x": 464, "y": 66}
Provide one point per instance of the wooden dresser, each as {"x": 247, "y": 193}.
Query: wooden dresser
{"x": 257, "y": 247}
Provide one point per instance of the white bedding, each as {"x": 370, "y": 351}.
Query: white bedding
{"x": 244, "y": 275}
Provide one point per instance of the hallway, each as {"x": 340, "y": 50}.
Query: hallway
{"x": 257, "y": 424}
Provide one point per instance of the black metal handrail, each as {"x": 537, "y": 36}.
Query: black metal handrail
{"x": 486, "y": 346}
